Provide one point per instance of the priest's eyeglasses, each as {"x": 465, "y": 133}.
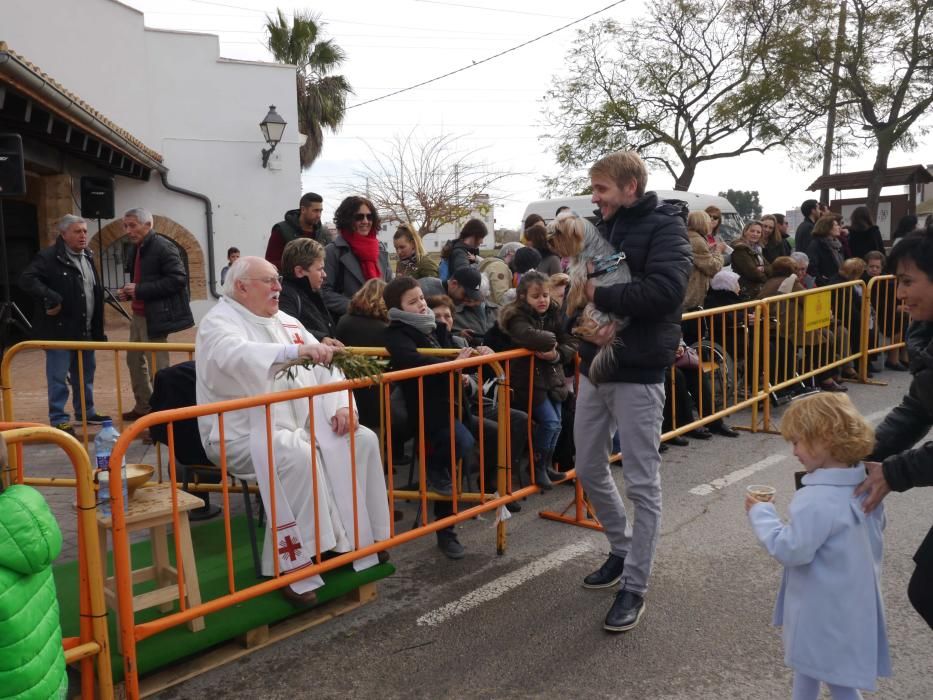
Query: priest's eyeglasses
{"x": 267, "y": 280}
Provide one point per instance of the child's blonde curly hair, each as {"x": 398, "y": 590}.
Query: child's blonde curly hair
{"x": 830, "y": 421}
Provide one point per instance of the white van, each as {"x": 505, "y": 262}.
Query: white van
{"x": 729, "y": 230}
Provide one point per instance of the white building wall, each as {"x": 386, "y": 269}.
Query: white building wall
{"x": 173, "y": 92}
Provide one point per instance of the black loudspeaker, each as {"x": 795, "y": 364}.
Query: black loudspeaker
{"x": 12, "y": 173}
{"x": 96, "y": 197}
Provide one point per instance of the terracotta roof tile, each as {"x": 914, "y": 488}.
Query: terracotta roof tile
{"x": 123, "y": 133}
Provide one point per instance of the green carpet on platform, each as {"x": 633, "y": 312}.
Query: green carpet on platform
{"x": 179, "y": 642}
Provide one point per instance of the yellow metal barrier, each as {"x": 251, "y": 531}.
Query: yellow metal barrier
{"x": 93, "y": 646}
{"x": 6, "y": 369}
{"x": 884, "y": 321}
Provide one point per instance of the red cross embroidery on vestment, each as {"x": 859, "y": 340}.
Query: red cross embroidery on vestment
{"x": 289, "y": 547}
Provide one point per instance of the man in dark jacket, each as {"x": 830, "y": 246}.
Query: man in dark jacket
{"x": 811, "y": 212}
{"x": 159, "y": 295}
{"x": 303, "y": 222}
{"x": 654, "y": 239}
{"x": 69, "y": 306}
{"x": 903, "y": 465}
{"x": 303, "y": 275}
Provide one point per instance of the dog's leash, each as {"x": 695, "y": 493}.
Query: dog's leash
{"x": 604, "y": 264}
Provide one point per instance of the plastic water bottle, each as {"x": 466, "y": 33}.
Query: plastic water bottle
{"x": 103, "y": 446}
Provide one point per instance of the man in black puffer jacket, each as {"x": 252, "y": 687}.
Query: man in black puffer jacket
{"x": 69, "y": 306}
{"x": 654, "y": 239}
{"x": 905, "y": 466}
{"x": 159, "y": 296}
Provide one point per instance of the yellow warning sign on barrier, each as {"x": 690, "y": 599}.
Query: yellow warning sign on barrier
{"x": 817, "y": 309}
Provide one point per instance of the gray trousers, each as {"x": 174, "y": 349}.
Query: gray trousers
{"x": 635, "y": 410}
{"x": 140, "y": 363}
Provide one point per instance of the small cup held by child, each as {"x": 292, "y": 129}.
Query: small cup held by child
{"x": 761, "y": 492}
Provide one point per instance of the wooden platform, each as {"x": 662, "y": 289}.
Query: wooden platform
{"x": 251, "y": 641}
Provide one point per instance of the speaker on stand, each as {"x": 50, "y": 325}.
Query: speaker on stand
{"x": 97, "y": 203}
{"x": 12, "y": 184}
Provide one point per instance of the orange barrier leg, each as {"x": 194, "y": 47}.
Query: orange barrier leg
{"x": 583, "y": 514}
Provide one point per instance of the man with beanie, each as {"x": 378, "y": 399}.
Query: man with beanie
{"x": 303, "y": 222}
{"x": 654, "y": 239}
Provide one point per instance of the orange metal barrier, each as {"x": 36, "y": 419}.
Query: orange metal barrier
{"x": 92, "y": 647}
{"x": 725, "y": 382}
{"x": 131, "y": 633}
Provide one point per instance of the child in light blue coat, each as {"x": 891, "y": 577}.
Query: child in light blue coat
{"x": 829, "y": 604}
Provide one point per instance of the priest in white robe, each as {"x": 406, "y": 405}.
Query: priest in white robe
{"x": 243, "y": 344}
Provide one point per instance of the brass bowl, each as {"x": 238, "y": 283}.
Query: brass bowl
{"x": 136, "y": 476}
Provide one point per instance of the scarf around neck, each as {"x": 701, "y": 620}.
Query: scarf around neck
{"x": 366, "y": 251}
{"x": 407, "y": 266}
{"x": 422, "y": 322}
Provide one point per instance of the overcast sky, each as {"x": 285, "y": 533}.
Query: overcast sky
{"x": 494, "y": 107}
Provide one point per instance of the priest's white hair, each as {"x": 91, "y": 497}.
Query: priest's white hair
{"x": 238, "y": 270}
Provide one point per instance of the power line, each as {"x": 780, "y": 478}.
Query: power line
{"x": 489, "y": 9}
{"x": 486, "y": 60}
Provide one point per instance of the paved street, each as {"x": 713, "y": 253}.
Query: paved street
{"x": 520, "y": 625}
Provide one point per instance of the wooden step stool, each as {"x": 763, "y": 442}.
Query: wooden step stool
{"x": 151, "y": 508}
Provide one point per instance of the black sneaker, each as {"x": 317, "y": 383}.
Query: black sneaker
{"x": 65, "y": 428}
{"x": 448, "y": 543}
{"x": 607, "y": 575}
{"x": 440, "y": 484}
{"x": 96, "y": 419}
{"x": 625, "y": 612}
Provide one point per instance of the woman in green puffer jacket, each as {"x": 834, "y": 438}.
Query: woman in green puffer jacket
{"x": 32, "y": 664}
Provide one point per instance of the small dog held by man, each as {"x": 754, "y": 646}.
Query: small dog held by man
{"x": 593, "y": 257}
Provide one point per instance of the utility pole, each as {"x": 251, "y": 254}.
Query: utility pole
{"x": 833, "y": 92}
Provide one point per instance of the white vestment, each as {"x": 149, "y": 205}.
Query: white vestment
{"x": 239, "y": 354}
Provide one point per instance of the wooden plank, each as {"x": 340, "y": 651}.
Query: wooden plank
{"x": 184, "y": 670}
{"x": 255, "y": 637}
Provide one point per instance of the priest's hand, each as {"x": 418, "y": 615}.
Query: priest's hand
{"x": 317, "y": 353}
{"x": 334, "y": 343}
{"x": 343, "y": 421}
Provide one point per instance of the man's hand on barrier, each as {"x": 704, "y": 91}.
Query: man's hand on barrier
{"x": 875, "y": 485}
{"x": 54, "y": 311}
{"x": 317, "y": 353}
{"x": 467, "y": 352}
{"x": 343, "y": 421}
{"x": 484, "y": 350}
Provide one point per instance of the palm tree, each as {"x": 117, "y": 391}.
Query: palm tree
{"x": 322, "y": 97}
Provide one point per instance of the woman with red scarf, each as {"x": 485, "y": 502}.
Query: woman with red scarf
{"x": 356, "y": 254}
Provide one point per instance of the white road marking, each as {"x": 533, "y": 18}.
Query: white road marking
{"x": 737, "y": 475}
{"x": 503, "y": 584}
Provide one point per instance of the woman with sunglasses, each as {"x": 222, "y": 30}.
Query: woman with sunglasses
{"x": 356, "y": 254}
